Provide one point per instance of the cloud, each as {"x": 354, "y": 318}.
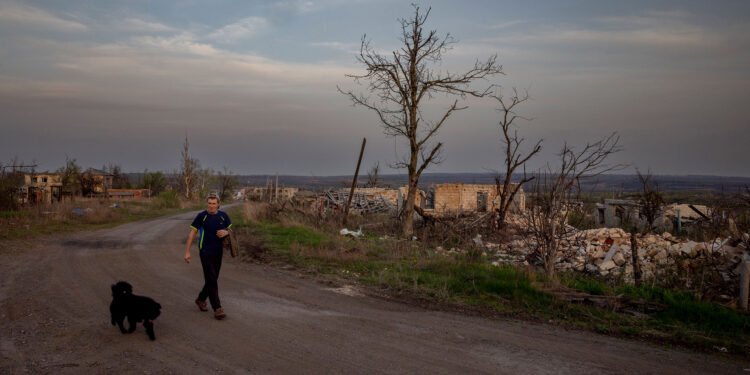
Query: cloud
{"x": 38, "y": 18}
{"x": 307, "y": 6}
{"x": 504, "y": 25}
{"x": 300, "y": 6}
{"x": 139, "y": 25}
{"x": 183, "y": 43}
{"x": 345, "y": 47}
{"x": 245, "y": 28}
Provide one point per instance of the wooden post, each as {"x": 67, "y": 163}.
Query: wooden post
{"x": 744, "y": 282}
{"x": 354, "y": 182}
{"x": 276, "y": 192}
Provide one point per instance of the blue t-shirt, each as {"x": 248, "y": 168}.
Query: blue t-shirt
{"x": 208, "y": 224}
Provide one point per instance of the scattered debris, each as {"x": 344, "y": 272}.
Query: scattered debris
{"x": 362, "y": 202}
{"x": 347, "y": 232}
{"x": 347, "y": 290}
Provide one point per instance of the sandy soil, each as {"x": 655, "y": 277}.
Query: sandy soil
{"x": 54, "y": 318}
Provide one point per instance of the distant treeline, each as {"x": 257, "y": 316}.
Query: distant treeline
{"x": 603, "y": 183}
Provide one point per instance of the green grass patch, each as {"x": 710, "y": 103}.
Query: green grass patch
{"x": 412, "y": 269}
{"x": 282, "y": 238}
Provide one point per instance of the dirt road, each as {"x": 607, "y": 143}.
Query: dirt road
{"x": 54, "y": 319}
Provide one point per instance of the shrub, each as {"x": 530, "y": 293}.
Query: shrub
{"x": 167, "y": 199}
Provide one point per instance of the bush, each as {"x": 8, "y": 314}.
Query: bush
{"x": 167, "y": 199}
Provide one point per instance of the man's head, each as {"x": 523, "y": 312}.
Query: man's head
{"x": 212, "y": 204}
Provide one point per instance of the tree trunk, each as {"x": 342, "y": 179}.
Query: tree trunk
{"x": 408, "y": 219}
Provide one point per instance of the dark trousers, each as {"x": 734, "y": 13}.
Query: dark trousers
{"x": 211, "y": 266}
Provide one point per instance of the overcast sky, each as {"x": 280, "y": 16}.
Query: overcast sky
{"x": 253, "y": 83}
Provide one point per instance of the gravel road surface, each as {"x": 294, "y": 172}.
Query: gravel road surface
{"x": 54, "y": 318}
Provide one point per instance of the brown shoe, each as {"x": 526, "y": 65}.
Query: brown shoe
{"x": 201, "y": 305}
{"x": 219, "y": 314}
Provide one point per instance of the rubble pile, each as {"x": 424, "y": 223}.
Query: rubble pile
{"x": 607, "y": 252}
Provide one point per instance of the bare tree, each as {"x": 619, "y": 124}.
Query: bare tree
{"x": 227, "y": 182}
{"x": 69, "y": 177}
{"x": 204, "y": 179}
{"x": 651, "y": 199}
{"x": 119, "y": 179}
{"x": 402, "y": 82}
{"x": 155, "y": 182}
{"x": 12, "y": 180}
{"x": 372, "y": 175}
{"x": 87, "y": 181}
{"x": 187, "y": 170}
{"x": 514, "y": 156}
{"x": 546, "y": 219}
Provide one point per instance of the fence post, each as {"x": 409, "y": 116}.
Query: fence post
{"x": 354, "y": 182}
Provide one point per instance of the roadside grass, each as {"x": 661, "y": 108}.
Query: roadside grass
{"x": 411, "y": 269}
{"x": 90, "y": 214}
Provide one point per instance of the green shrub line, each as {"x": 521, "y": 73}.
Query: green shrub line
{"x": 681, "y": 317}
{"x": 77, "y": 224}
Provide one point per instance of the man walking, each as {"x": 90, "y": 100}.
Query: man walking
{"x": 212, "y": 225}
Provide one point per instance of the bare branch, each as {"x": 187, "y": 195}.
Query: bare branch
{"x": 401, "y": 80}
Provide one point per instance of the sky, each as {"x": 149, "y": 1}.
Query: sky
{"x": 253, "y": 84}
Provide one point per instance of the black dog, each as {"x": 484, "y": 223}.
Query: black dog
{"x": 135, "y": 308}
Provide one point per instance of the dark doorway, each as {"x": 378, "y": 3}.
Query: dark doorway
{"x": 481, "y": 201}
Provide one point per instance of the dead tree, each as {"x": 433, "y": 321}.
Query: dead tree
{"x": 546, "y": 220}
{"x": 227, "y": 182}
{"x": 372, "y": 175}
{"x": 188, "y": 168}
{"x": 87, "y": 181}
{"x": 514, "y": 157}
{"x": 69, "y": 177}
{"x": 12, "y": 181}
{"x": 402, "y": 82}
{"x": 651, "y": 199}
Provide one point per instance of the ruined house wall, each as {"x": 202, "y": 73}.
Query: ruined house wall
{"x": 263, "y": 192}
{"x": 460, "y": 197}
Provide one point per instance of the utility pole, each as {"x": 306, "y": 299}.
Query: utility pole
{"x": 354, "y": 182}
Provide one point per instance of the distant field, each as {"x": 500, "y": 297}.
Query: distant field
{"x": 605, "y": 183}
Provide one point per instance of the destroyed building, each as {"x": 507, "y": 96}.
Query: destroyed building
{"x": 449, "y": 199}
{"x": 42, "y": 188}
{"x": 446, "y": 199}
{"x": 269, "y": 192}
{"x": 620, "y": 212}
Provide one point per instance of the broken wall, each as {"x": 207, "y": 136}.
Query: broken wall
{"x": 460, "y": 197}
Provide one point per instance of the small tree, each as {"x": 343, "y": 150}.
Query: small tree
{"x": 204, "y": 179}
{"x": 226, "y": 182}
{"x": 87, "y": 181}
{"x": 514, "y": 156}
{"x": 372, "y": 175}
{"x": 119, "y": 180}
{"x": 546, "y": 219}
{"x": 402, "y": 82}
{"x": 69, "y": 177}
{"x": 12, "y": 179}
{"x": 155, "y": 182}
{"x": 651, "y": 199}
{"x": 188, "y": 167}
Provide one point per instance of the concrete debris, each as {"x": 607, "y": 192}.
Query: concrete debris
{"x": 362, "y": 202}
{"x": 478, "y": 240}
{"x": 607, "y": 252}
{"x": 347, "y": 232}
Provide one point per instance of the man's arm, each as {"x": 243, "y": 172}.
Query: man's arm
{"x": 191, "y": 236}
